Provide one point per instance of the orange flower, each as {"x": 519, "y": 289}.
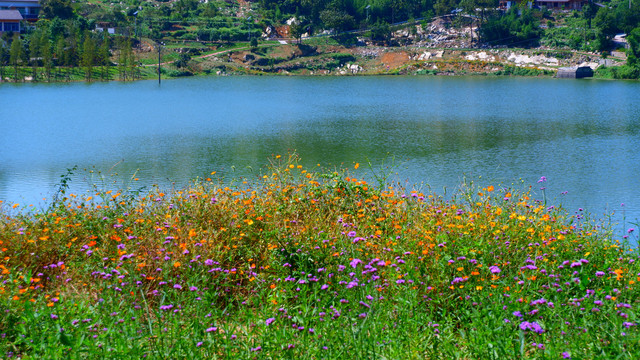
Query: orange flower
{"x": 176, "y": 264}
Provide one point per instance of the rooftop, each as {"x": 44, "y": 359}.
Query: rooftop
{"x": 10, "y": 15}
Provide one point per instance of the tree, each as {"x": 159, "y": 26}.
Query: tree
{"x": 51, "y": 9}
{"x": 296, "y": 30}
{"x": 380, "y": 32}
{"x": 254, "y": 43}
{"x": 45, "y": 53}
{"x": 469, "y": 7}
{"x": 183, "y": 60}
{"x": 4, "y": 57}
{"x": 16, "y": 54}
{"x": 104, "y": 56}
{"x": 337, "y": 20}
{"x": 59, "y": 53}
{"x": 512, "y": 29}
{"x": 34, "y": 54}
{"x": 88, "y": 55}
{"x": 633, "y": 53}
{"x": 605, "y": 24}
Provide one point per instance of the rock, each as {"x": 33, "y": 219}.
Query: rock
{"x": 425, "y": 56}
{"x": 353, "y": 68}
{"x": 440, "y": 53}
{"x": 592, "y": 65}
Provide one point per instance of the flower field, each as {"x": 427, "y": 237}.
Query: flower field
{"x": 308, "y": 265}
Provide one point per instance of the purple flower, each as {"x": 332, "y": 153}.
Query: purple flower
{"x": 269, "y": 321}
{"x": 199, "y": 344}
{"x": 542, "y": 179}
{"x": 256, "y": 348}
{"x": 54, "y": 316}
{"x": 351, "y": 234}
{"x": 494, "y": 269}
{"x": 565, "y": 355}
{"x": 599, "y": 273}
{"x": 211, "y": 329}
{"x": 354, "y": 263}
{"x": 532, "y": 326}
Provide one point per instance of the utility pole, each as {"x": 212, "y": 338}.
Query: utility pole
{"x": 136, "y": 19}
{"x": 159, "y": 45}
{"x": 249, "y": 27}
{"x": 367, "y": 8}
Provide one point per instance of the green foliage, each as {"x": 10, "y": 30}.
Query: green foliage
{"x": 52, "y": 9}
{"x": 380, "y": 31}
{"x": 254, "y": 43}
{"x": 521, "y": 71}
{"x": 313, "y": 265}
{"x": 183, "y": 60}
{"x": 625, "y": 72}
{"x": 512, "y": 29}
{"x": 633, "y": 53}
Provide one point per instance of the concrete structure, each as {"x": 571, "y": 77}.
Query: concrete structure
{"x": 29, "y": 9}
{"x": 10, "y": 21}
{"x": 577, "y": 72}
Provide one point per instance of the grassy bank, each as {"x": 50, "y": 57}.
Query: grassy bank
{"x": 312, "y": 265}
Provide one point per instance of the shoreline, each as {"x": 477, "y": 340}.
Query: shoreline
{"x": 332, "y": 60}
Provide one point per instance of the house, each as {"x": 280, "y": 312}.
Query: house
{"x": 548, "y": 4}
{"x": 10, "y": 21}
{"x": 29, "y": 9}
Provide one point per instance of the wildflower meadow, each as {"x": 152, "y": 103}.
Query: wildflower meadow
{"x": 306, "y": 264}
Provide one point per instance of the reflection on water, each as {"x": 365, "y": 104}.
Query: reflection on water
{"x": 581, "y": 135}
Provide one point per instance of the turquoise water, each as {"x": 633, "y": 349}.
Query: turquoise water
{"x": 583, "y": 136}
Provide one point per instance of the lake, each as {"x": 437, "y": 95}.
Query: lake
{"x": 583, "y": 136}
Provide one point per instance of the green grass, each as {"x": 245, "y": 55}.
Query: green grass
{"x": 309, "y": 265}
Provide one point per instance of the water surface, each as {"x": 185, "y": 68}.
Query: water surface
{"x": 582, "y": 136}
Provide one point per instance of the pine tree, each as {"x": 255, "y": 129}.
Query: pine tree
{"x": 88, "y": 55}
{"x": 60, "y": 45}
{"x": 16, "y": 54}
{"x": 47, "y": 56}
{"x": 104, "y": 56}
{"x": 34, "y": 54}
{"x": 4, "y": 54}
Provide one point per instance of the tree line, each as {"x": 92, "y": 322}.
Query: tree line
{"x": 56, "y": 50}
